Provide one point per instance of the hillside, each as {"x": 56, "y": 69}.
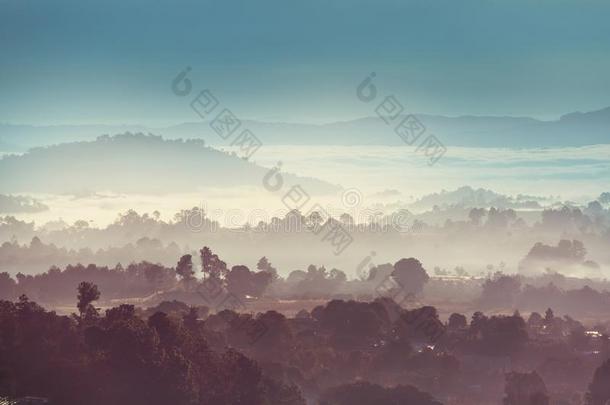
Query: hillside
{"x": 133, "y": 164}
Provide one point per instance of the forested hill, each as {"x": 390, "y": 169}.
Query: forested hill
{"x": 134, "y": 164}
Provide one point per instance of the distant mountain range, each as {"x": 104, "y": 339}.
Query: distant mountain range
{"x": 574, "y": 129}
{"x": 135, "y": 164}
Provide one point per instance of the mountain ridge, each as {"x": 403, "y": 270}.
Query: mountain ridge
{"x": 571, "y": 129}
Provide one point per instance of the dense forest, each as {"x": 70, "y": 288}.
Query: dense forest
{"x": 198, "y": 338}
{"x": 304, "y": 202}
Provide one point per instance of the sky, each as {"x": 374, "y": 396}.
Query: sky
{"x": 112, "y": 62}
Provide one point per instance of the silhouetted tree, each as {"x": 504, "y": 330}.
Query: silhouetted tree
{"x": 211, "y": 265}
{"x": 7, "y": 286}
{"x": 476, "y": 214}
{"x": 457, "y": 321}
{"x": 423, "y": 324}
{"x": 184, "y": 268}
{"x": 87, "y": 293}
{"x": 410, "y": 275}
{"x": 599, "y": 389}
{"x": 525, "y": 389}
{"x": 241, "y": 281}
{"x": 535, "y": 320}
{"x": 500, "y": 290}
{"x": 265, "y": 265}
{"x": 497, "y": 335}
{"x": 549, "y": 317}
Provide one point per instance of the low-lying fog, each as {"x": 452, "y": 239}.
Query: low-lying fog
{"x": 374, "y": 175}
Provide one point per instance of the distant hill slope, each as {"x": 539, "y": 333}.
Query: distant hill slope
{"x": 16, "y": 204}
{"x": 134, "y": 164}
{"x": 574, "y": 129}
{"x": 469, "y": 197}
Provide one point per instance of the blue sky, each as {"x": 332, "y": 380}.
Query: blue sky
{"x": 113, "y": 61}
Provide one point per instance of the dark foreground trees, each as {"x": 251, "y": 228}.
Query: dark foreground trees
{"x": 121, "y": 358}
{"x": 364, "y": 393}
{"x": 599, "y": 389}
{"x": 525, "y": 389}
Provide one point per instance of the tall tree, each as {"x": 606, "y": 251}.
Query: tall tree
{"x": 549, "y": 316}
{"x": 184, "y": 268}
{"x": 87, "y": 293}
{"x": 211, "y": 265}
{"x": 265, "y": 265}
